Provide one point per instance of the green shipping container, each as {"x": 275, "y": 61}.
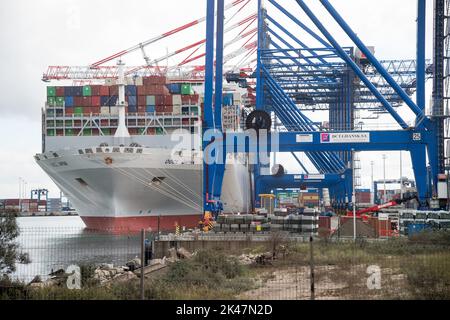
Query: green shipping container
{"x": 141, "y": 130}
{"x": 69, "y": 123}
{"x": 51, "y": 92}
{"x": 78, "y": 111}
{"x": 87, "y": 132}
{"x": 186, "y": 89}
{"x": 50, "y": 113}
{"x": 69, "y": 132}
{"x": 59, "y": 123}
{"x": 159, "y": 131}
{"x": 50, "y": 132}
{"x": 59, "y": 101}
{"x": 106, "y": 132}
{"x": 87, "y": 91}
{"x": 51, "y": 101}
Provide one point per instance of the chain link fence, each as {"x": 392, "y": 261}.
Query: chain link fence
{"x": 79, "y": 264}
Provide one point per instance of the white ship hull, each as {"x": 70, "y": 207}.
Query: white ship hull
{"x": 134, "y": 188}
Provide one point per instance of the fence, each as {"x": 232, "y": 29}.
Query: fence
{"x": 277, "y": 266}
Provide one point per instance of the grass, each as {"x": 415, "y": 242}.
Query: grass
{"x": 414, "y": 268}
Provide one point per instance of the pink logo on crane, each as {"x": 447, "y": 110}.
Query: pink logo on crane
{"x": 324, "y": 137}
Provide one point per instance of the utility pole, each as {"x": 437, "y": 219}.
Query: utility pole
{"x": 354, "y": 194}
{"x": 371, "y": 182}
{"x": 401, "y": 176}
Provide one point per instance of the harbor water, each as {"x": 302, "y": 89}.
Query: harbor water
{"x": 54, "y": 243}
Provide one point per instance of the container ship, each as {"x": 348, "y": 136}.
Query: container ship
{"x": 127, "y": 153}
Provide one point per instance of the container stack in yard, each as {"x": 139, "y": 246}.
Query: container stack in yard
{"x": 306, "y": 223}
{"x": 413, "y": 221}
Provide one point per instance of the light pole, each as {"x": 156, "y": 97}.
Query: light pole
{"x": 384, "y": 178}
{"x": 354, "y": 194}
{"x": 401, "y": 176}
{"x": 371, "y": 185}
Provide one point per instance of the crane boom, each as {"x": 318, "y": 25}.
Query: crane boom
{"x": 141, "y": 45}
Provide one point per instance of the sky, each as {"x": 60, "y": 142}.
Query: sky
{"x": 37, "y": 34}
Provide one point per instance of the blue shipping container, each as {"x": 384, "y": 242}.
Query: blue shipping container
{"x": 174, "y": 88}
{"x": 68, "y": 91}
{"x": 132, "y": 101}
{"x": 415, "y": 228}
{"x": 77, "y": 91}
{"x": 150, "y": 109}
{"x": 104, "y": 101}
{"x": 132, "y": 109}
{"x": 113, "y": 100}
{"x": 130, "y": 90}
{"x": 68, "y": 101}
{"x": 228, "y": 99}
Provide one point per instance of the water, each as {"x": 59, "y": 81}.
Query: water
{"x": 54, "y": 243}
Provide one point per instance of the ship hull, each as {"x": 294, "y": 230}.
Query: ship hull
{"x": 129, "y": 189}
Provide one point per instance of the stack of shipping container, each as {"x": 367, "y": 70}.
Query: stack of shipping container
{"x": 67, "y": 105}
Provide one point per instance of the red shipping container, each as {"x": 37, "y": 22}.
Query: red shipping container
{"x": 159, "y": 100}
{"x": 104, "y": 91}
{"x": 95, "y": 101}
{"x": 142, "y": 101}
{"x": 151, "y": 131}
{"x": 186, "y": 100}
{"x": 140, "y": 90}
{"x": 95, "y": 110}
{"x": 69, "y": 111}
{"x": 114, "y": 90}
{"x": 59, "y": 91}
{"x": 104, "y": 122}
{"x": 168, "y": 109}
{"x": 86, "y": 102}
{"x": 159, "y": 109}
{"x": 133, "y": 131}
{"x": 78, "y": 101}
{"x": 154, "y": 80}
{"x": 195, "y": 98}
{"x": 95, "y": 90}
{"x": 168, "y": 100}
{"x": 141, "y": 109}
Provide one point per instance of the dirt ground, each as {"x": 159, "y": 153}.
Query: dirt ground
{"x": 331, "y": 282}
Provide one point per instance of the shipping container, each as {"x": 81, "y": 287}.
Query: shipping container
{"x": 59, "y": 101}
{"x": 168, "y": 100}
{"x": 51, "y": 101}
{"x": 159, "y": 100}
{"x": 51, "y": 132}
{"x": 68, "y": 101}
{"x": 87, "y": 132}
{"x": 95, "y": 90}
{"x": 51, "y": 92}
{"x": 95, "y": 101}
{"x": 86, "y": 101}
{"x": 68, "y": 111}
{"x": 176, "y": 100}
{"x": 59, "y": 91}
{"x": 228, "y": 99}
{"x": 186, "y": 88}
{"x": 78, "y": 111}
{"x": 132, "y": 109}
{"x": 87, "y": 91}
{"x": 150, "y": 101}
{"x": 104, "y": 110}
{"x": 104, "y": 91}
{"x": 150, "y": 109}
{"x": 68, "y": 91}
{"x": 159, "y": 131}
{"x": 174, "y": 88}
{"x": 132, "y": 101}
{"x": 130, "y": 90}
{"x": 77, "y": 91}
{"x": 113, "y": 90}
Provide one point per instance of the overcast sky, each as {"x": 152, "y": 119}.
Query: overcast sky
{"x": 36, "y": 34}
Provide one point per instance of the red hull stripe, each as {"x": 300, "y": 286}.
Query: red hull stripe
{"x": 166, "y": 223}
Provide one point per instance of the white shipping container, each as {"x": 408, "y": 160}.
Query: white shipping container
{"x": 176, "y": 98}
{"x": 114, "y": 110}
{"x": 177, "y": 110}
{"x": 104, "y": 110}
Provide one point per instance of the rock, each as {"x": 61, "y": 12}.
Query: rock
{"x": 127, "y": 276}
{"x": 134, "y": 264}
{"x": 156, "y": 261}
{"x": 173, "y": 254}
{"x": 184, "y": 254}
{"x": 36, "y": 279}
{"x": 106, "y": 266}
